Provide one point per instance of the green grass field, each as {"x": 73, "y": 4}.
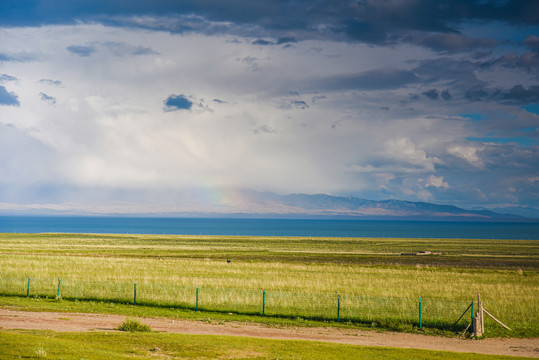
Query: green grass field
{"x": 301, "y": 276}
{"x": 57, "y": 345}
{"x": 470, "y": 253}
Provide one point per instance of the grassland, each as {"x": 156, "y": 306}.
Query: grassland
{"x": 102, "y": 345}
{"x": 482, "y": 253}
{"x": 301, "y": 276}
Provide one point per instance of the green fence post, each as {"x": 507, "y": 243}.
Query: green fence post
{"x": 420, "y": 313}
{"x": 196, "y": 305}
{"x": 28, "y": 288}
{"x": 135, "y": 293}
{"x": 472, "y": 318}
{"x": 338, "y": 307}
{"x": 263, "y": 302}
{"x": 59, "y": 285}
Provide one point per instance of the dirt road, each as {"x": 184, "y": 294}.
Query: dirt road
{"x": 13, "y": 319}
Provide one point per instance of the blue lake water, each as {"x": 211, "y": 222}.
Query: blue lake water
{"x": 269, "y": 227}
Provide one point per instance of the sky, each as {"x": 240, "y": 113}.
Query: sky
{"x": 172, "y": 106}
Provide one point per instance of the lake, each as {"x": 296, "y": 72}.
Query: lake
{"x": 269, "y": 227}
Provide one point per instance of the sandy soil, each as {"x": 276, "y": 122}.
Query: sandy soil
{"x": 13, "y": 319}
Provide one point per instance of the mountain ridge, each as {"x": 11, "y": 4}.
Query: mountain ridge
{"x": 330, "y": 205}
{"x": 248, "y": 203}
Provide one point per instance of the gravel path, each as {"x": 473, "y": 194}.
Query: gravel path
{"x": 13, "y": 319}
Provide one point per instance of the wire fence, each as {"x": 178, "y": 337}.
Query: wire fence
{"x": 342, "y": 307}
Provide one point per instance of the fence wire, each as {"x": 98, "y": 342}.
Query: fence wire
{"x": 437, "y": 313}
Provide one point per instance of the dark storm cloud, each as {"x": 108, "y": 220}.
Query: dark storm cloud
{"x": 372, "y": 21}
{"x": 446, "y": 95}
{"x": 8, "y": 98}
{"x": 528, "y": 61}
{"x": 286, "y": 40}
{"x": 280, "y": 41}
{"x": 379, "y": 79}
{"x": 532, "y": 42}
{"x": 476, "y": 94}
{"x": 367, "y": 32}
{"x": 459, "y": 73}
{"x": 427, "y": 23}
{"x": 451, "y": 42}
{"x": 432, "y": 94}
{"x": 459, "y": 78}
{"x": 517, "y": 95}
{"x": 83, "y": 51}
{"x": 177, "y": 102}
{"x": 262, "y": 42}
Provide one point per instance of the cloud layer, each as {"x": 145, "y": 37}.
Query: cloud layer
{"x": 158, "y": 104}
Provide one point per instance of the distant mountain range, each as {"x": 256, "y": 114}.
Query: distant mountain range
{"x": 321, "y": 205}
{"x": 256, "y": 204}
{"x": 524, "y": 211}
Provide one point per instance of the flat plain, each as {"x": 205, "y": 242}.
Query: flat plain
{"x": 297, "y": 278}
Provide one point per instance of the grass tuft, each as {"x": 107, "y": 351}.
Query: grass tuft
{"x": 40, "y": 353}
{"x": 133, "y": 325}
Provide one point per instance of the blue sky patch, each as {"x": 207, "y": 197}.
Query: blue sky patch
{"x": 8, "y": 98}
{"x": 533, "y": 108}
{"x": 520, "y": 140}
{"x": 47, "y": 98}
{"x": 177, "y": 102}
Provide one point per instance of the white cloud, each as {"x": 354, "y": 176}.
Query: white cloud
{"x": 468, "y": 153}
{"x": 437, "y": 182}
{"x": 107, "y": 127}
{"x": 405, "y": 152}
